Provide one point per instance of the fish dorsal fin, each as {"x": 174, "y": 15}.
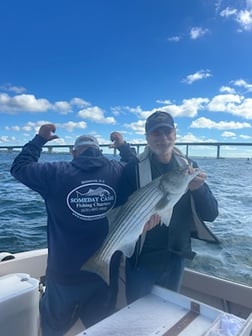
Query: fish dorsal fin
{"x": 166, "y": 218}
{"x": 167, "y": 214}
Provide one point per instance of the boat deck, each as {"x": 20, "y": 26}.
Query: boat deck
{"x": 166, "y": 313}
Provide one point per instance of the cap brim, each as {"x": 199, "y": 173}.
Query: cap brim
{"x": 158, "y": 126}
{"x": 86, "y": 144}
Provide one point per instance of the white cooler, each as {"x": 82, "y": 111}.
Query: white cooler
{"x": 19, "y": 305}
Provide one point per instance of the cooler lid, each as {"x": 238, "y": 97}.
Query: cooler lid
{"x": 15, "y": 284}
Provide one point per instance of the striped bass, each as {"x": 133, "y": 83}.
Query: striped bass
{"x": 126, "y": 223}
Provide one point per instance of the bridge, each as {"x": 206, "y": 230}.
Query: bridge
{"x": 140, "y": 146}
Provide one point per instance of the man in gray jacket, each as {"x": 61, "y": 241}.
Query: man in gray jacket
{"x": 160, "y": 253}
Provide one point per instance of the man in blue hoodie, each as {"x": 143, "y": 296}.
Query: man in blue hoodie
{"x": 77, "y": 194}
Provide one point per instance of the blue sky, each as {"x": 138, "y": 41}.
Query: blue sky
{"x": 96, "y": 66}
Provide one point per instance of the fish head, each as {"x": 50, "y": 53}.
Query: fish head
{"x": 177, "y": 180}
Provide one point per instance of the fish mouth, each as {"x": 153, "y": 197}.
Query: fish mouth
{"x": 188, "y": 169}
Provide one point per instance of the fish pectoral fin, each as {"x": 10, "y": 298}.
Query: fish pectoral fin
{"x": 128, "y": 249}
{"x": 166, "y": 218}
{"x": 95, "y": 265}
{"x": 162, "y": 203}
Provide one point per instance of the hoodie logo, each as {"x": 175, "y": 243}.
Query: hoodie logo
{"x": 91, "y": 201}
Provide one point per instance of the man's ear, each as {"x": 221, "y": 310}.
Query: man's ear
{"x": 79, "y": 150}
{"x": 73, "y": 152}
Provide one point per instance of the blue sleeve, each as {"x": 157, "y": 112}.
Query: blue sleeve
{"x": 26, "y": 169}
{"x": 128, "y": 181}
{"x": 205, "y": 203}
{"x": 127, "y": 153}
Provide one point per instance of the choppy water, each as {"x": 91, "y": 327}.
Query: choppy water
{"x": 23, "y": 217}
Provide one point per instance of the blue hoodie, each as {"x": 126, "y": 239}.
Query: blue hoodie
{"x": 77, "y": 196}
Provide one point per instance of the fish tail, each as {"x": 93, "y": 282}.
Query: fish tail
{"x": 98, "y": 266}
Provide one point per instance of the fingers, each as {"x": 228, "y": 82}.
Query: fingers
{"x": 198, "y": 181}
{"x": 117, "y": 139}
{"x": 202, "y": 175}
{"x": 152, "y": 222}
{"x": 47, "y": 132}
{"x": 113, "y": 136}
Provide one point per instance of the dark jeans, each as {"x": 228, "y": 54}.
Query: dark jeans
{"x": 61, "y": 305}
{"x": 140, "y": 280}
{"x": 91, "y": 301}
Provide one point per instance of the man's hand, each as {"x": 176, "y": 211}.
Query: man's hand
{"x": 47, "y": 131}
{"x": 152, "y": 222}
{"x": 198, "y": 181}
{"x": 117, "y": 139}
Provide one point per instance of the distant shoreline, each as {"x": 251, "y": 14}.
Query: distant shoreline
{"x": 217, "y": 150}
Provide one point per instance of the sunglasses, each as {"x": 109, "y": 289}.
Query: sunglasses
{"x": 162, "y": 131}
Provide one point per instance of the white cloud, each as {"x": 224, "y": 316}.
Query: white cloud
{"x": 243, "y": 84}
{"x": 188, "y": 108}
{"x": 174, "y": 38}
{"x": 228, "y": 134}
{"x": 34, "y": 126}
{"x": 29, "y": 103}
{"x": 4, "y": 139}
{"x": 233, "y": 104}
{"x": 227, "y": 12}
{"x": 96, "y": 114}
{"x": 11, "y": 88}
{"x": 138, "y": 126}
{"x": 71, "y": 125}
{"x": 121, "y": 109}
{"x": 197, "y": 32}
{"x": 194, "y": 34}
{"x": 221, "y": 125}
{"x": 227, "y": 89}
{"x": 188, "y": 138}
{"x": 28, "y": 127}
{"x": 224, "y": 102}
{"x": 22, "y": 103}
{"x": 245, "y": 137}
{"x": 166, "y": 101}
{"x": 14, "y": 128}
{"x": 201, "y": 74}
{"x": 243, "y": 16}
{"x": 62, "y": 107}
{"x": 31, "y": 127}
{"x": 79, "y": 102}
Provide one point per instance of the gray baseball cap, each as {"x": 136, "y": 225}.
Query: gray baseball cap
{"x": 86, "y": 140}
{"x": 159, "y": 119}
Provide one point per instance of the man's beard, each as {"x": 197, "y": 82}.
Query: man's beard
{"x": 162, "y": 148}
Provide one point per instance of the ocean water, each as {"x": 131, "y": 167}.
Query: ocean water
{"x": 23, "y": 217}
